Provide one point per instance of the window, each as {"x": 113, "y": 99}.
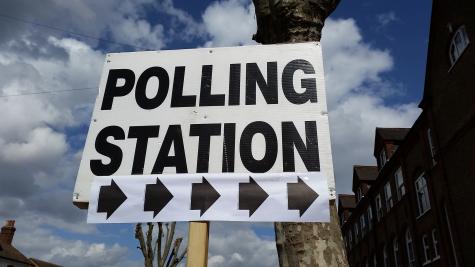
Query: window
{"x": 431, "y": 146}
{"x": 385, "y": 256}
{"x": 435, "y": 243}
{"x": 363, "y": 225}
{"x": 370, "y": 218}
{"x": 423, "y": 203}
{"x": 401, "y": 189}
{"x": 458, "y": 44}
{"x": 379, "y": 207}
{"x": 350, "y": 238}
{"x": 410, "y": 249}
{"x": 395, "y": 147}
{"x": 426, "y": 247}
{"x": 396, "y": 252}
{"x": 453, "y": 254}
{"x": 359, "y": 194}
{"x": 388, "y": 196}
{"x": 382, "y": 157}
{"x": 356, "y": 232}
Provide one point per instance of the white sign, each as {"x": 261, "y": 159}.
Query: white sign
{"x": 251, "y": 109}
{"x": 226, "y": 197}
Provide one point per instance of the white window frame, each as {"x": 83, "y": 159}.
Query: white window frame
{"x": 359, "y": 193}
{"x": 388, "y": 196}
{"x": 363, "y": 225}
{"x": 399, "y": 182}
{"x": 382, "y": 157}
{"x": 379, "y": 207}
{"x": 396, "y": 252}
{"x": 395, "y": 147}
{"x": 435, "y": 244}
{"x": 431, "y": 146}
{"x": 370, "y": 218}
{"x": 449, "y": 227}
{"x": 356, "y": 232}
{"x": 350, "y": 238}
{"x": 411, "y": 257}
{"x": 422, "y": 195}
{"x": 456, "y": 48}
{"x": 426, "y": 249}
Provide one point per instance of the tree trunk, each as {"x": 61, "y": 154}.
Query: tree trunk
{"x": 289, "y": 21}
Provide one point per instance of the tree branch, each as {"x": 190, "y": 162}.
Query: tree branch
{"x": 149, "y": 241}
{"x": 159, "y": 243}
{"x": 168, "y": 244}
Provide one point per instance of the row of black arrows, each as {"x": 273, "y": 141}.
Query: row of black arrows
{"x": 204, "y": 195}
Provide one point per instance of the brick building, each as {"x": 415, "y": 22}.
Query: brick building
{"x": 449, "y": 107}
{"x": 413, "y": 208}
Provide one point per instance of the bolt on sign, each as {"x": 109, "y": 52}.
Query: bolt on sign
{"x": 232, "y": 134}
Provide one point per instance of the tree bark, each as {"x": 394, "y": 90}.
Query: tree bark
{"x": 289, "y": 21}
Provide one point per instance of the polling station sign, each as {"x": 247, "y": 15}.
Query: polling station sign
{"x": 248, "y": 111}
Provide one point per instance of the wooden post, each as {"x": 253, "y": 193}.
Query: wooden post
{"x": 198, "y": 236}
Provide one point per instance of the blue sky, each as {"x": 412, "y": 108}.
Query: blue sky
{"x": 374, "y": 59}
{"x": 402, "y": 28}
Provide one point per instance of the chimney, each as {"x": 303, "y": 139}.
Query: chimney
{"x": 7, "y": 232}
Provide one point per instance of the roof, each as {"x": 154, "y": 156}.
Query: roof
{"x": 9, "y": 252}
{"x": 388, "y": 134}
{"x": 366, "y": 173}
{"x": 347, "y": 201}
{"x": 40, "y": 263}
{"x": 395, "y": 134}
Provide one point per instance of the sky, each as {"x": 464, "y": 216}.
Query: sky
{"x": 374, "y": 60}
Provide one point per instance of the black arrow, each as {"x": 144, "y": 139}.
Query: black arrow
{"x": 203, "y": 196}
{"x": 300, "y": 196}
{"x": 251, "y": 196}
{"x": 157, "y": 197}
{"x": 110, "y": 198}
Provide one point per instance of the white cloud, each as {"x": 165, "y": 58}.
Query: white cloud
{"x": 357, "y": 91}
{"x": 229, "y": 23}
{"x": 236, "y": 244}
{"x": 351, "y": 64}
{"x": 353, "y": 123}
{"x": 42, "y": 146}
{"x": 139, "y": 32}
{"x": 384, "y": 19}
{"x": 123, "y": 21}
{"x": 38, "y": 242}
{"x": 184, "y": 26}
{"x": 215, "y": 261}
{"x": 35, "y": 154}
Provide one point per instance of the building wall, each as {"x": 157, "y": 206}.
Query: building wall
{"x": 449, "y": 113}
{"x": 414, "y": 158}
{"x": 450, "y": 103}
